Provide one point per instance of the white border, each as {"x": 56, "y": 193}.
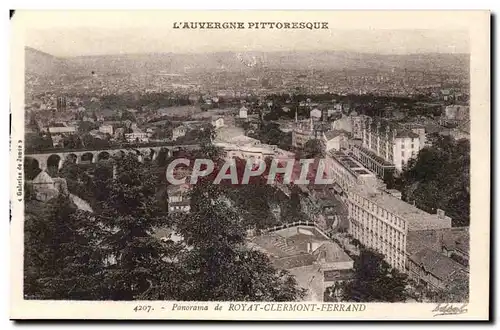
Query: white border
{"x": 256, "y": 4}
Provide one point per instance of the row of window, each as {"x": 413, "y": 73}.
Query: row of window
{"x": 180, "y": 208}
{"x": 411, "y": 153}
{"x": 379, "y": 211}
{"x": 383, "y": 233}
{"x": 403, "y": 146}
{"x": 395, "y": 257}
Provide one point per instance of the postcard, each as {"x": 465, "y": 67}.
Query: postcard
{"x": 250, "y": 165}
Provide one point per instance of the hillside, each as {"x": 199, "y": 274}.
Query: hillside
{"x": 37, "y": 62}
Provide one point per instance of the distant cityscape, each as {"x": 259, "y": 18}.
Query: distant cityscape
{"x": 394, "y": 131}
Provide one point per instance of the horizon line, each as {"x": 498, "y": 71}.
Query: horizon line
{"x": 247, "y": 51}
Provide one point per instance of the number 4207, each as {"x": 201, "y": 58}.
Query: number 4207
{"x": 144, "y": 308}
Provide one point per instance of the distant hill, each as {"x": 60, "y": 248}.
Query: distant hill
{"x": 43, "y": 63}
{"x": 230, "y": 61}
{"x": 37, "y": 62}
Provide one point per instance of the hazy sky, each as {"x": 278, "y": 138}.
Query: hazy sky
{"x": 112, "y": 32}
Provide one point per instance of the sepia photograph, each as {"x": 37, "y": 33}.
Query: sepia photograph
{"x": 250, "y": 165}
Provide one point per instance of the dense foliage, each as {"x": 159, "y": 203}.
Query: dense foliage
{"x": 115, "y": 252}
{"x": 270, "y": 133}
{"x": 62, "y": 254}
{"x": 440, "y": 179}
{"x": 219, "y": 264}
{"x": 374, "y": 280}
{"x": 314, "y": 148}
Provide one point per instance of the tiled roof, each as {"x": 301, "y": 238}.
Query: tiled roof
{"x": 436, "y": 239}
{"x": 417, "y": 240}
{"x": 457, "y": 238}
{"x": 332, "y": 252}
{"x": 298, "y": 260}
{"x": 441, "y": 266}
{"x": 43, "y": 178}
{"x": 416, "y": 218}
{"x": 400, "y": 130}
{"x": 177, "y": 189}
{"x": 405, "y": 133}
{"x": 184, "y": 202}
{"x": 333, "y": 134}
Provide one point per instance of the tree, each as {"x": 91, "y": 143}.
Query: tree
{"x": 456, "y": 292}
{"x": 140, "y": 265}
{"x": 102, "y": 180}
{"x": 90, "y": 141}
{"x": 206, "y": 135}
{"x": 87, "y": 126}
{"x": 62, "y": 256}
{"x": 219, "y": 265}
{"x": 38, "y": 142}
{"x": 270, "y": 133}
{"x": 127, "y": 115}
{"x": 293, "y": 210}
{"x": 72, "y": 142}
{"x": 255, "y": 212}
{"x": 217, "y": 261}
{"x": 374, "y": 280}
{"x": 162, "y": 159}
{"x": 314, "y": 148}
{"x": 79, "y": 182}
{"x": 439, "y": 179}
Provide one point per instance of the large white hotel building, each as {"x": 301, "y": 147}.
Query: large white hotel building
{"x": 382, "y": 222}
{"x": 385, "y": 146}
{"x": 378, "y": 218}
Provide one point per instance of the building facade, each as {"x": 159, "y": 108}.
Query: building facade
{"x": 243, "y": 113}
{"x": 382, "y": 222}
{"x": 335, "y": 140}
{"x": 347, "y": 171}
{"x": 217, "y": 122}
{"x": 393, "y": 145}
{"x": 300, "y": 137}
{"x": 251, "y": 149}
{"x": 106, "y": 129}
{"x": 137, "y": 136}
{"x": 178, "y": 198}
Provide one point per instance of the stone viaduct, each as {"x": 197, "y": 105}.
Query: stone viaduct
{"x": 57, "y": 158}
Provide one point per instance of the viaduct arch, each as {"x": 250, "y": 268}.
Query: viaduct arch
{"x": 45, "y": 160}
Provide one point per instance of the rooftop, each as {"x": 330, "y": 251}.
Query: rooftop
{"x": 350, "y": 163}
{"x": 297, "y": 247}
{"x": 439, "y": 265}
{"x": 373, "y": 155}
{"x": 416, "y": 218}
{"x": 457, "y": 238}
{"x": 43, "y": 178}
{"x": 399, "y": 131}
{"x": 343, "y": 123}
{"x": 295, "y": 261}
{"x": 450, "y": 238}
{"x": 331, "y": 252}
{"x": 177, "y": 189}
{"x": 334, "y": 133}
